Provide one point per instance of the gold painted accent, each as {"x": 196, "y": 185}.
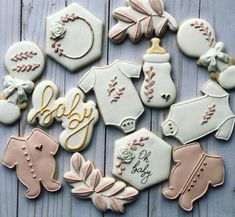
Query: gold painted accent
{"x": 156, "y": 48}
{"x": 76, "y": 121}
{"x": 215, "y": 75}
{"x": 2, "y": 96}
{"x": 22, "y": 105}
{"x": 230, "y": 60}
{"x": 63, "y": 53}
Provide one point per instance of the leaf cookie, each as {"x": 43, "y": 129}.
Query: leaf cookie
{"x": 105, "y": 192}
{"x": 141, "y": 17}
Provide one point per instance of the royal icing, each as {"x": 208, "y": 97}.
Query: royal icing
{"x": 77, "y": 117}
{"x": 141, "y": 159}
{"x": 115, "y": 93}
{"x": 33, "y": 157}
{"x": 190, "y": 120}
{"x": 25, "y": 61}
{"x": 191, "y": 176}
{"x": 196, "y": 38}
{"x": 141, "y": 17}
{"x": 73, "y": 24}
{"x": 105, "y": 192}
{"x": 158, "y": 89}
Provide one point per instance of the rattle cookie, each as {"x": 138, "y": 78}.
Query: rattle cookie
{"x": 141, "y": 17}
{"x": 190, "y": 120}
{"x": 33, "y": 157}
{"x": 105, "y": 192}
{"x": 73, "y": 37}
{"x": 77, "y": 116}
{"x": 115, "y": 93}
{"x": 141, "y": 159}
{"x": 196, "y": 38}
{"x": 158, "y": 89}
{"x": 24, "y": 62}
{"x": 194, "y": 171}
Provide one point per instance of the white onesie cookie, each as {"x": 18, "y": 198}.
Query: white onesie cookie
{"x": 116, "y": 95}
{"x": 190, "y": 120}
{"x": 77, "y": 117}
{"x": 196, "y": 38}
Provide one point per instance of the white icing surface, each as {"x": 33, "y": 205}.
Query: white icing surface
{"x": 192, "y": 39}
{"x": 158, "y": 89}
{"x": 146, "y": 164}
{"x": 9, "y": 112}
{"x": 24, "y": 60}
{"x": 77, "y": 117}
{"x": 79, "y": 38}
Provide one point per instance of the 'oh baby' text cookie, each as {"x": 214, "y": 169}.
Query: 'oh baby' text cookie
{"x": 190, "y": 120}
{"x": 73, "y": 37}
{"x": 194, "y": 171}
{"x": 105, "y": 192}
{"x": 33, "y": 157}
{"x": 117, "y": 98}
{"x": 141, "y": 17}
{"x": 158, "y": 89}
{"x": 196, "y": 38}
{"x": 141, "y": 159}
{"x": 77, "y": 116}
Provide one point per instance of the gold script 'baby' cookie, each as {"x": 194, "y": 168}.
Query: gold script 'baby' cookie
{"x": 142, "y": 159}
{"x": 190, "y": 120}
{"x": 117, "y": 98}
{"x": 196, "y": 38}
{"x": 193, "y": 173}
{"x": 105, "y": 192}
{"x": 77, "y": 117}
{"x": 141, "y": 17}
{"x": 34, "y": 161}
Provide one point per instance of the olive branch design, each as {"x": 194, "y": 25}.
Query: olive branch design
{"x": 132, "y": 146}
{"x": 23, "y": 55}
{"x": 149, "y": 83}
{"x": 112, "y": 88}
{"x": 205, "y": 31}
{"x": 208, "y": 114}
{"x": 26, "y": 67}
{"x": 105, "y": 192}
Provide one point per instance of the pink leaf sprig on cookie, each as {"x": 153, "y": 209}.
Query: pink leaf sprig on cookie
{"x": 141, "y": 17}
{"x": 208, "y": 114}
{"x": 105, "y": 192}
{"x": 149, "y": 84}
{"x": 26, "y": 67}
{"x": 23, "y": 56}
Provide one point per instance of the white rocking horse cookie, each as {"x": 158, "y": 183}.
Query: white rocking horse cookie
{"x": 73, "y": 37}
{"x": 196, "y": 38}
{"x": 141, "y": 17}
{"x": 158, "y": 89}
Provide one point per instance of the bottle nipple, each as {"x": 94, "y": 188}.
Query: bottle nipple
{"x": 156, "y": 48}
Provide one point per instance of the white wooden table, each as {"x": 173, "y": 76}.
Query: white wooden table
{"x": 25, "y": 20}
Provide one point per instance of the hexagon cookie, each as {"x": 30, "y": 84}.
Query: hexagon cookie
{"x": 73, "y": 37}
{"x": 142, "y": 159}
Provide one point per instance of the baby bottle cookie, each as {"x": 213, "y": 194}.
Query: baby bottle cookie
{"x": 191, "y": 176}
{"x": 158, "y": 89}
{"x": 196, "y": 38}
{"x": 33, "y": 157}
{"x": 105, "y": 192}
{"x": 141, "y": 17}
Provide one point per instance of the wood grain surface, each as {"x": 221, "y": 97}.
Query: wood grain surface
{"x": 25, "y": 20}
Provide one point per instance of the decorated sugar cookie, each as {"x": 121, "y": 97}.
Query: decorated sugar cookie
{"x": 105, "y": 192}
{"x": 196, "y": 38}
{"x": 115, "y": 93}
{"x": 25, "y": 61}
{"x": 141, "y": 17}
{"x": 73, "y": 37}
{"x": 141, "y": 159}
{"x": 191, "y": 176}
{"x": 190, "y": 120}
{"x": 33, "y": 157}
{"x": 158, "y": 89}
{"x": 77, "y": 116}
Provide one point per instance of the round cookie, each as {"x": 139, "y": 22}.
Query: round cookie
{"x": 10, "y": 112}
{"x": 195, "y": 37}
{"x": 24, "y": 60}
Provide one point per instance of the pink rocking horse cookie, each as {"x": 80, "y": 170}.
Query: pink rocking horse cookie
{"x": 33, "y": 157}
